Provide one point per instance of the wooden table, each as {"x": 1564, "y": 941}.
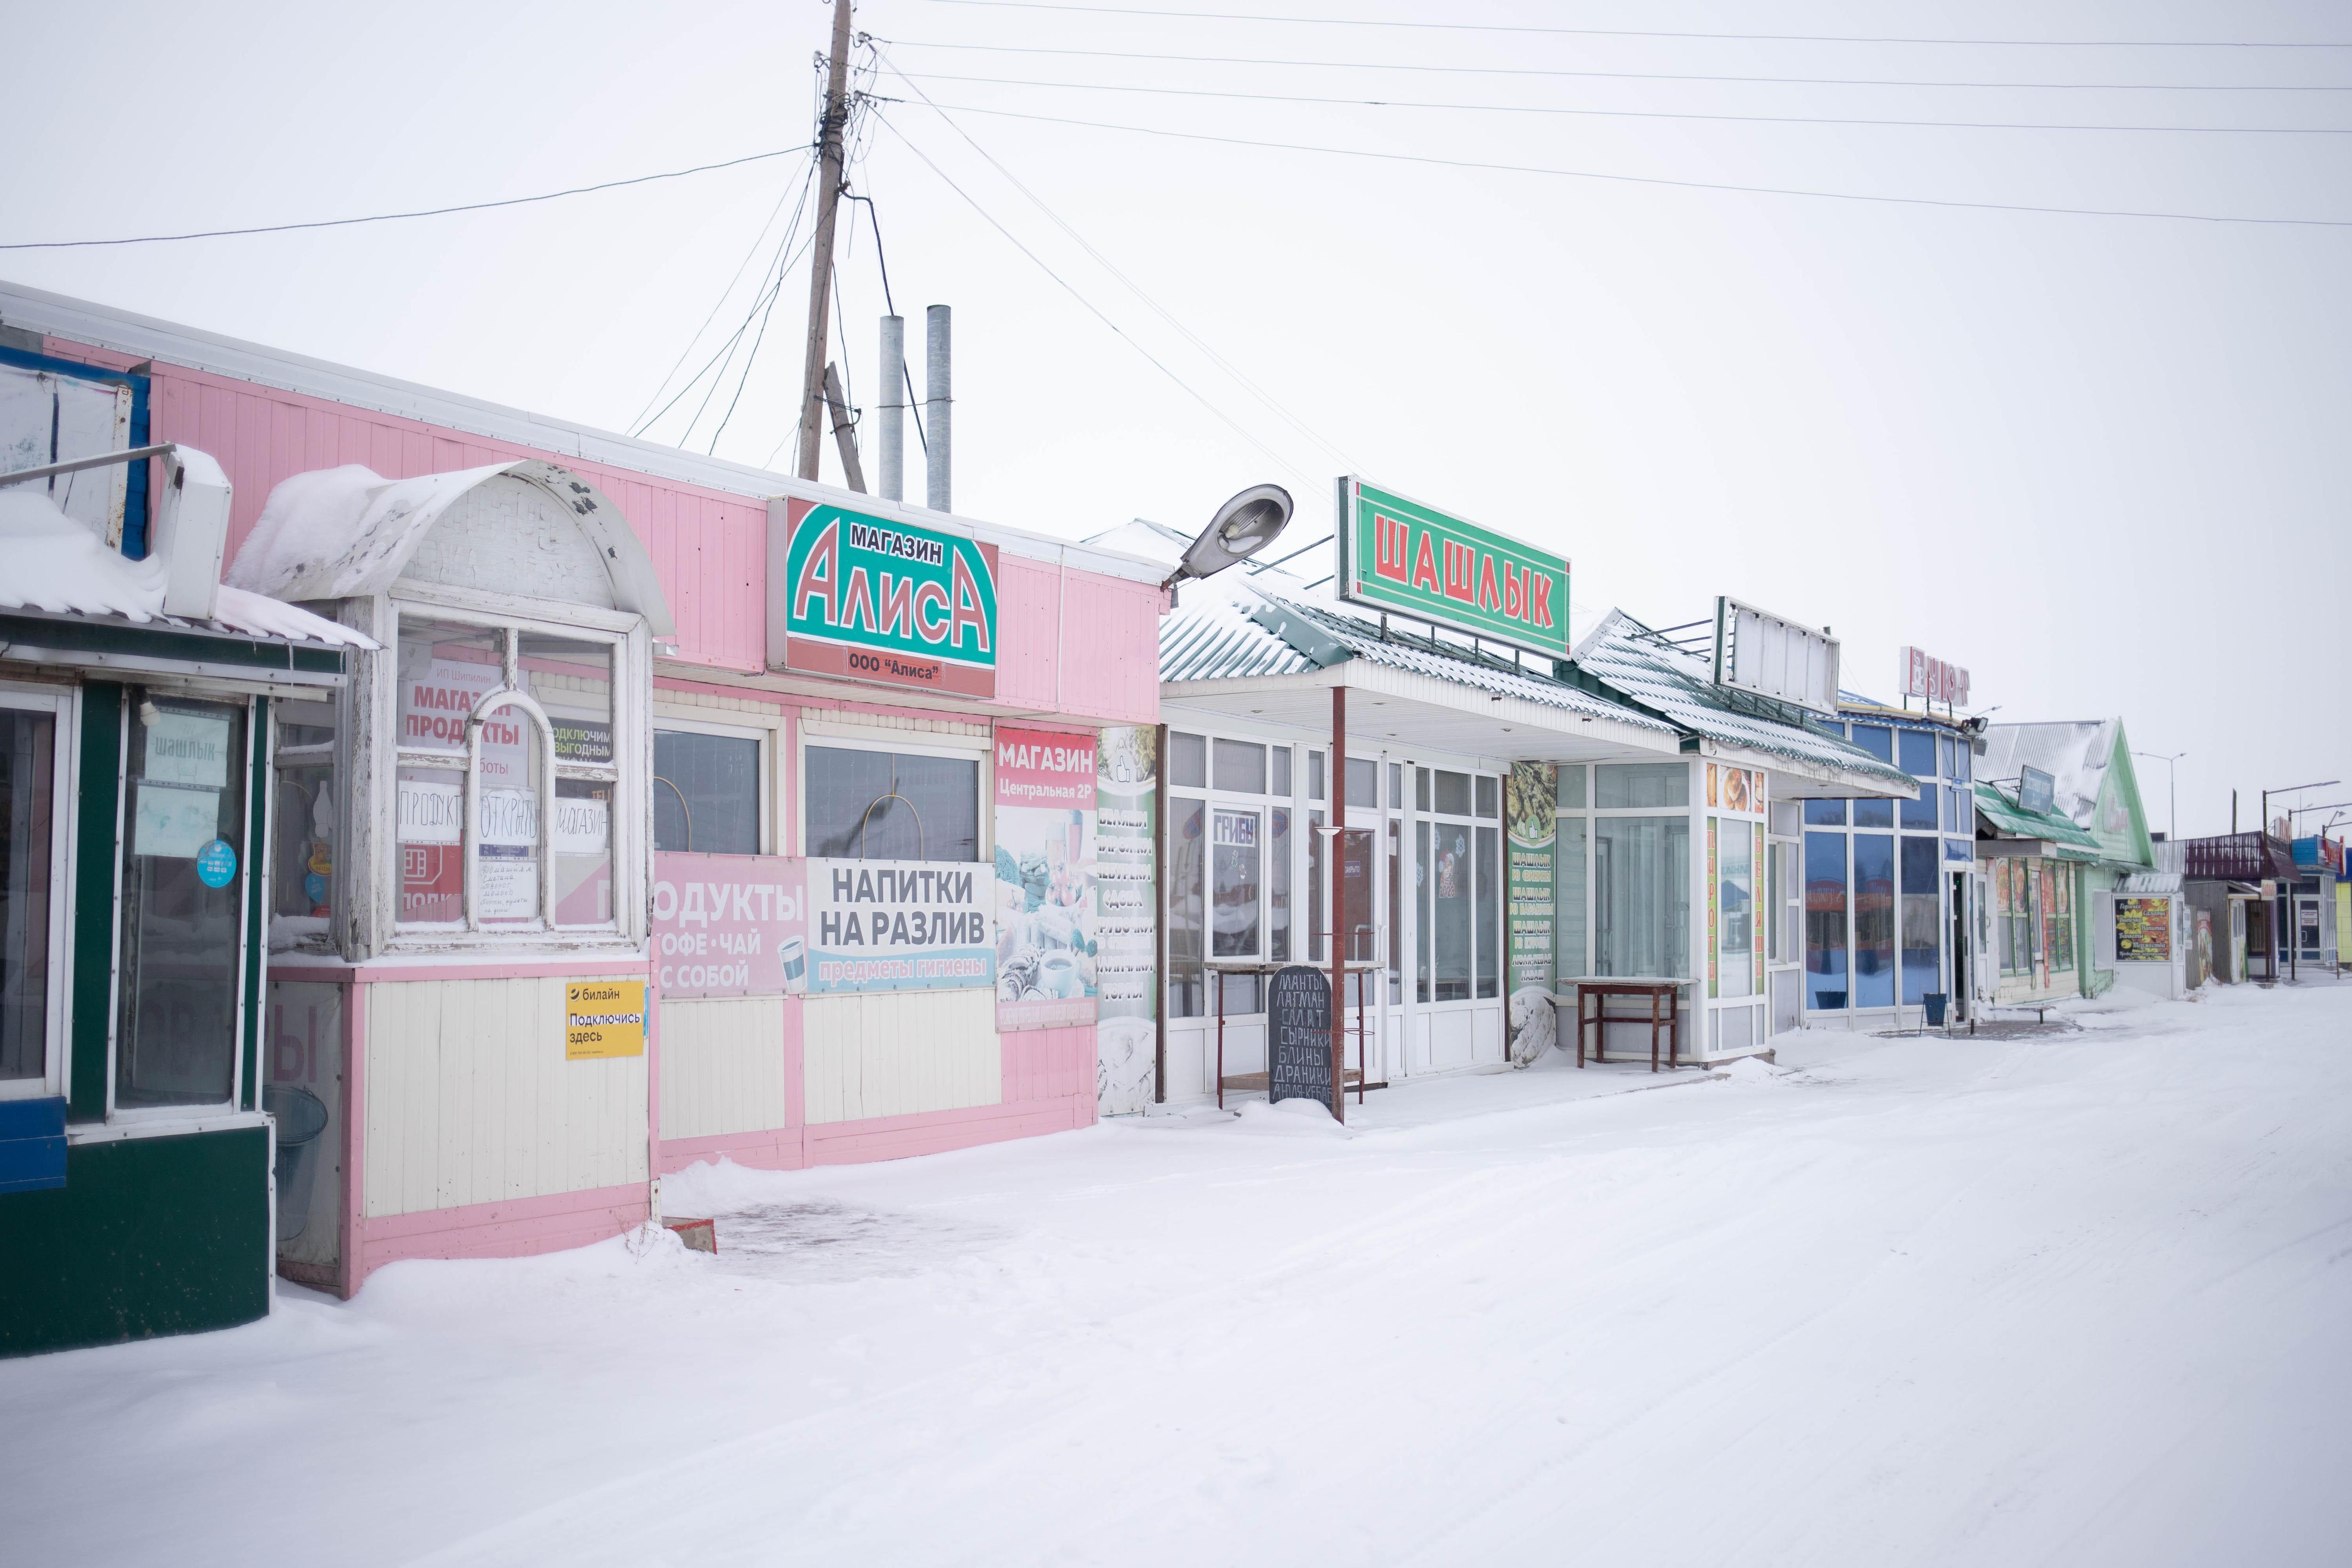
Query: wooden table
{"x": 1656, "y": 991}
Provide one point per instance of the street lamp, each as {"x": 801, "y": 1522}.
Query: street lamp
{"x": 2172, "y": 824}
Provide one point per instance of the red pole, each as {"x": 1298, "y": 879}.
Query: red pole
{"x": 1339, "y": 901}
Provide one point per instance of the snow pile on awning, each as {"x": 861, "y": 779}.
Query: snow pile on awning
{"x": 57, "y": 564}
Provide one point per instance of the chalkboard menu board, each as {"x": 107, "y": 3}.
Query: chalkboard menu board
{"x": 2143, "y": 930}
{"x": 1298, "y": 1047}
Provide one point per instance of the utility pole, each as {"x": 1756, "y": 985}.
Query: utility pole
{"x": 836, "y": 120}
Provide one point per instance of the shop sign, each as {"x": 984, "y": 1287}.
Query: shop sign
{"x": 898, "y": 925}
{"x": 2143, "y": 930}
{"x": 1127, "y": 932}
{"x": 2036, "y": 792}
{"x": 1756, "y": 650}
{"x": 1045, "y": 881}
{"x": 869, "y": 598}
{"x": 1298, "y": 1050}
{"x": 731, "y": 926}
{"x": 603, "y": 1019}
{"x": 1399, "y": 556}
{"x": 1933, "y": 679}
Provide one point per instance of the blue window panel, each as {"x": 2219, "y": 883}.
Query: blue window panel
{"x": 1965, "y": 757}
{"x": 1921, "y": 812}
{"x": 1825, "y": 813}
{"x": 1945, "y": 745}
{"x": 1918, "y": 749}
{"x": 32, "y": 1144}
{"x": 1876, "y": 739}
{"x": 1825, "y": 968}
{"x": 1874, "y": 813}
{"x": 1959, "y": 848}
{"x": 1873, "y": 920}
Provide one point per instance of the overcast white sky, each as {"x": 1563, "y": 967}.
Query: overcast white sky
{"x": 2100, "y": 461}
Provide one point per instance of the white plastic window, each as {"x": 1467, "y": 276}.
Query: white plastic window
{"x": 510, "y": 787}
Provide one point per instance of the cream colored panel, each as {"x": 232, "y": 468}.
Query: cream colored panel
{"x": 470, "y": 1100}
{"x": 722, "y": 1066}
{"x": 901, "y": 1053}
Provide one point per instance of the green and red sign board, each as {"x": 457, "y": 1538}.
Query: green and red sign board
{"x": 1402, "y": 557}
{"x": 875, "y": 599}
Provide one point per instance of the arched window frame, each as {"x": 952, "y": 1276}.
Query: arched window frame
{"x": 513, "y": 617}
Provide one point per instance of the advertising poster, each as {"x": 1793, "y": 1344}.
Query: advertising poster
{"x": 1045, "y": 878}
{"x": 603, "y": 1019}
{"x": 731, "y": 926}
{"x": 1127, "y": 929}
{"x": 898, "y": 925}
{"x": 1531, "y": 805}
{"x": 2143, "y": 930}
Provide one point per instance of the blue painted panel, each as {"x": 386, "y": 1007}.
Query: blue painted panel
{"x": 32, "y": 1144}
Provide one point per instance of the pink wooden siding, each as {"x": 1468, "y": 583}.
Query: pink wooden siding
{"x": 1073, "y": 641}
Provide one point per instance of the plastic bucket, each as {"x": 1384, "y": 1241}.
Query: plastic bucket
{"x": 1934, "y": 1002}
{"x": 301, "y": 1117}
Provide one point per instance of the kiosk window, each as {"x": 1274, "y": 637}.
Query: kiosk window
{"x": 706, "y": 792}
{"x": 890, "y": 805}
{"x": 509, "y": 780}
{"x": 183, "y": 865}
{"x": 28, "y": 768}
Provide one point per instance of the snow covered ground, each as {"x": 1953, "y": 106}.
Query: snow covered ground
{"x": 2081, "y": 1299}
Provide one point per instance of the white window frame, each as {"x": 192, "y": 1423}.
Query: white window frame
{"x": 65, "y": 705}
{"x": 631, "y": 816}
{"x": 1424, "y": 879}
{"x": 151, "y": 1117}
{"x": 980, "y": 749}
{"x": 694, "y": 722}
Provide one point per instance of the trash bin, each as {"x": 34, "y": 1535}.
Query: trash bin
{"x": 301, "y": 1117}
{"x": 1934, "y": 1002}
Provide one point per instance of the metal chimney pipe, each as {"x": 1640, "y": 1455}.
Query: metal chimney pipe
{"x": 892, "y": 441}
{"x": 937, "y": 402}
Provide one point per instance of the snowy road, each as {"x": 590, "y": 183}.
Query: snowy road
{"x": 2083, "y": 1299}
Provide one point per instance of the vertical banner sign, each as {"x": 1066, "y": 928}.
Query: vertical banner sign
{"x": 1398, "y": 555}
{"x": 731, "y": 926}
{"x": 869, "y": 598}
{"x": 1127, "y": 769}
{"x": 1531, "y": 822}
{"x": 1763, "y": 886}
{"x": 898, "y": 925}
{"x": 1044, "y": 882}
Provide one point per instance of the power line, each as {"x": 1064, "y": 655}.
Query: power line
{"x": 1656, "y": 180}
{"x": 396, "y": 217}
{"x": 725, "y": 294}
{"x": 873, "y": 219}
{"x": 773, "y": 281}
{"x": 1092, "y": 308}
{"x": 1630, "y": 113}
{"x": 1653, "y": 33}
{"x": 1609, "y": 76}
{"x": 1132, "y": 287}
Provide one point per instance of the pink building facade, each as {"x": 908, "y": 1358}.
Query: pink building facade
{"x": 689, "y": 811}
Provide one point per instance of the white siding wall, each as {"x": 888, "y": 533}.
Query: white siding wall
{"x": 896, "y": 1054}
{"x": 470, "y": 1098}
{"x": 722, "y": 1066}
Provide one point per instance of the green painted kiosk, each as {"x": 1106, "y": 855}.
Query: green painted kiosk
{"x": 137, "y": 1150}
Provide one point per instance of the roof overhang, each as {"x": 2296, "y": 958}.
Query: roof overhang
{"x": 1418, "y": 710}
{"x": 1795, "y": 780}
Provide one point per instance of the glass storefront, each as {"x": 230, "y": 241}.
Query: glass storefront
{"x": 1878, "y": 875}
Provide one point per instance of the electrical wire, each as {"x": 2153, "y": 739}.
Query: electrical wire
{"x": 1651, "y": 33}
{"x": 758, "y": 240}
{"x": 397, "y": 217}
{"x": 1132, "y": 287}
{"x": 726, "y": 350}
{"x": 1659, "y": 180}
{"x": 1092, "y": 308}
{"x": 873, "y": 219}
{"x": 1611, "y": 76}
{"x": 1628, "y": 113}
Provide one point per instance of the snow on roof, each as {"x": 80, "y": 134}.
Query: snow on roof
{"x": 1676, "y": 684}
{"x": 57, "y": 564}
{"x": 2075, "y": 753}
